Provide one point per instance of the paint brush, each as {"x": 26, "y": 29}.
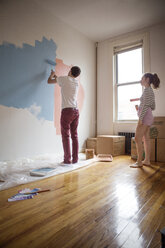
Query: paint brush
{"x": 134, "y": 99}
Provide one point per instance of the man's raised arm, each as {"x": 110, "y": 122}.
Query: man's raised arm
{"x": 52, "y": 79}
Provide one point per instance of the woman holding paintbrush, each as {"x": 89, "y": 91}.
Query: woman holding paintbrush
{"x": 144, "y": 111}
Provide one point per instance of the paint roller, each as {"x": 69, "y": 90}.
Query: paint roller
{"x": 50, "y": 62}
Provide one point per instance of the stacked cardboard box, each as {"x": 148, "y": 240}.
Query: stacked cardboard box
{"x": 161, "y": 150}
{"x": 159, "y": 128}
{"x": 134, "y": 151}
{"x": 111, "y": 144}
{"x": 91, "y": 143}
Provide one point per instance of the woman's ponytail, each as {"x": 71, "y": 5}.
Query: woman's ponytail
{"x": 153, "y": 78}
{"x": 155, "y": 81}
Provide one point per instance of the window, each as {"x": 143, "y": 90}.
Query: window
{"x": 128, "y": 73}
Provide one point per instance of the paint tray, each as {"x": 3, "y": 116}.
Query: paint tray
{"x": 104, "y": 158}
{"x": 41, "y": 172}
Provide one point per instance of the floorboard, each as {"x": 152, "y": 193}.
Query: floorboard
{"x": 104, "y": 205}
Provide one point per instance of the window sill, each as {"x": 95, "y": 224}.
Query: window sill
{"x": 126, "y": 122}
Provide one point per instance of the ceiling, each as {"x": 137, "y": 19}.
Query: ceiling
{"x": 103, "y": 19}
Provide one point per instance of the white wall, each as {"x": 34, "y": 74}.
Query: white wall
{"x": 157, "y": 55}
{"x": 154, "y": 61}
{"x": 104, "y": 89}
{"x": 21, "y": 133}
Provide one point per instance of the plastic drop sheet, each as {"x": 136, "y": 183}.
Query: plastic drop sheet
{"x": 17, "y": 172}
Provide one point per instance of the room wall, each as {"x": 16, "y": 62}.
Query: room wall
{"x": 157, "y": 55}
{"x": 104, "y": 89}
{"x": 154, "y": 61}
{"x": 31, "y": 38}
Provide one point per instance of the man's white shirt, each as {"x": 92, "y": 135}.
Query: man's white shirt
{"x": 69, "y": 91}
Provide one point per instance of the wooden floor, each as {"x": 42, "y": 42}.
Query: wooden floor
{"x": 102, "y": 205}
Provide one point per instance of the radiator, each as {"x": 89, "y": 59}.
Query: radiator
{"x": 128, "y": 137}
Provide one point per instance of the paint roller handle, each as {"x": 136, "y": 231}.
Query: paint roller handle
{"x": 52, "y": 74}
{"x": 52, "y": 79}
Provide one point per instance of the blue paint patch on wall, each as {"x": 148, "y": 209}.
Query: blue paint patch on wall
{"x": 23, "y": 77}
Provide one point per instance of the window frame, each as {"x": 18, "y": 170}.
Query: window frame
{"x": 131, "y": 47}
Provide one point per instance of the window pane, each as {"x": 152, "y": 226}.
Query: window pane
{"x": 126, "y": 109}
{"x": 129, "y": 66}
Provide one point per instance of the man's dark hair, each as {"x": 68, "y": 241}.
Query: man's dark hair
{"x": 75, "y": 70}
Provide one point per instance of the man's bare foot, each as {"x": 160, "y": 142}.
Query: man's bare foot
{"x": 136, "y": 165}
{"x": 147, "y": 163}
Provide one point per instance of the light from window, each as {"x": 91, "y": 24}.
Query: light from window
{"x": 126, "y": 109}
{"x": 128, "y": 76}
{"x": 129, "y": 66}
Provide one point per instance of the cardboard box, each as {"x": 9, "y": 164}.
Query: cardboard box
{"x": 89, "y": 153}
{"x": 161, "y": 150}
{"x": 157, "y": 130}
{"x": 91, "y": 143}
{"x": 134, "y": 151}
{"x": 111, "y": 144}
